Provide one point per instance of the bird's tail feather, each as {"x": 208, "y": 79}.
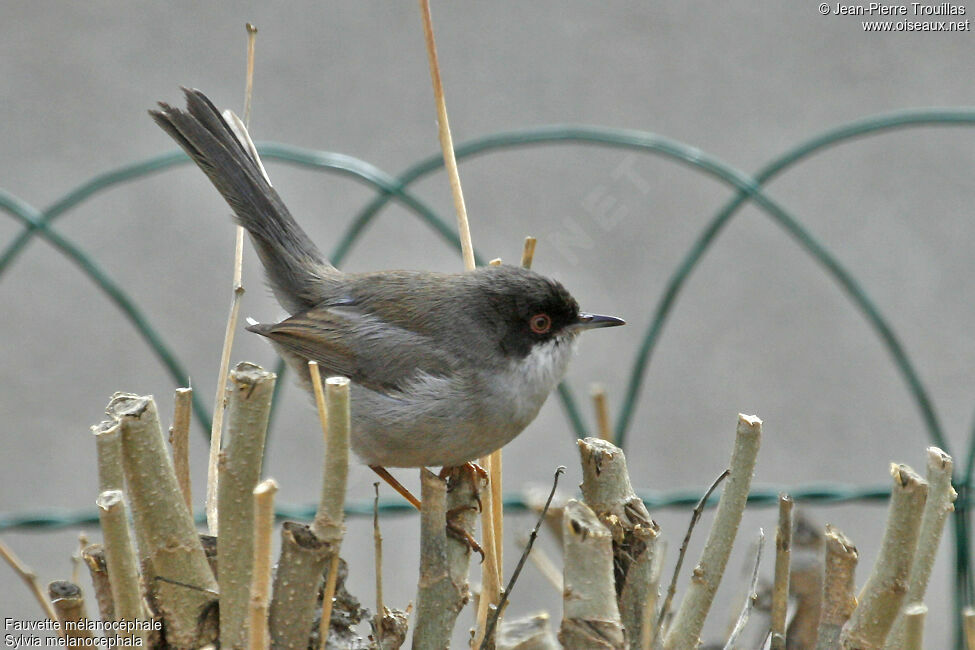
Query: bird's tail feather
{"x": 296, "y": 269}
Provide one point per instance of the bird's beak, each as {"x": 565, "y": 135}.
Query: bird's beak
{"x": 592, "y": 321}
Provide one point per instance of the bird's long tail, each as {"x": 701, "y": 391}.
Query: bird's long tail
{"x": 220, "y": 146}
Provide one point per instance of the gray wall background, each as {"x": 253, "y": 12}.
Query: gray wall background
{"x": 759, "y": 329}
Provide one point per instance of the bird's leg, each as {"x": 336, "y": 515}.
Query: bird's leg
{"x": 396, "y": 485}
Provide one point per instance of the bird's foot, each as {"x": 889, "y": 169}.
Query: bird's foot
{"x": 456, "y": 530}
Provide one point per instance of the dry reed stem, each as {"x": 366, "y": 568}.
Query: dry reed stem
{"x": 219, "y": 401}
{"x": 377, "y": 541}
{"x": 685, "y": 630}
{"x": 528, "y": 253}
{"x": 446, "y": 140}
{"x": 328, "y": 595}
{"x": 260, "y": 590}
{"x": 179, "y": 440}
{"x": 600, "y": 405}
{"x": 783, "y": 558}
{"x": 29, "y": 578}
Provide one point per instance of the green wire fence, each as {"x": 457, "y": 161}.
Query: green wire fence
{"x": 40, "y": 223}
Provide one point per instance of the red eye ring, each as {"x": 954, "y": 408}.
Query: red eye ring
{"x": 540, "y": 323}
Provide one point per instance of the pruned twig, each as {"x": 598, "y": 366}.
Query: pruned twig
{"x": 260, "y": 590}
{"x": 883, "y": 594}
{"x": 839, "y": 596}
{"x": 689, "y": 619}
{"x": 175, "y": 567}
{"x": 250, "y": 391}
{"x": 783, "y": 559}
{"x": 179, "y": 440}
{"x": 939, "y": 504}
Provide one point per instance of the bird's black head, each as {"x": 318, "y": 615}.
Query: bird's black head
{"x": 529, "y": 309}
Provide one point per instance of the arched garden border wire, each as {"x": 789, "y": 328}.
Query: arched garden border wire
{"x": 747, "y": 188}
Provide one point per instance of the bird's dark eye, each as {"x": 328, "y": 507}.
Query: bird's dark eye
{"x": 540, "y": 323}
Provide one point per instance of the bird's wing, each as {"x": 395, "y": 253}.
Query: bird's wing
{"x": 345, "y": 341}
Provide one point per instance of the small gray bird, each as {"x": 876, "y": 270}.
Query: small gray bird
{"x": 445, "y": 367}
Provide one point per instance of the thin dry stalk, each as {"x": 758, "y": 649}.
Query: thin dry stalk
{"x": 69, "y": 605}
{"x": 249, "y": 83}
{"x": 446, "y": 141}
{"x": 685, "y": 630}
{"x": 120, "y": 558}
{"x": 219, "y": 401}
{"x": 94, "y": 558}
{"x": 528, "y": 254}
{"x": 108, "y": 446}
{"x": 544, "y": 564}
{"x": 883, "y": 594}
{"x": 490, "y": 571}
{"x": 601, "y": 407}
{"x": 260, "y": 591}
{"x": 746, "y": 609}
{"x": 251, "y": 390}
{"x": 839, "y": 587}
{"x": 607, "y": 490}
{"x": 377, "y": 541}
{"x": 176, "y": 570}
{"x": 489, "y": 630}
{"x": 591, "y": 617}
{"x": 914, "y": 626}
{"x": 783, "y": 558}
{"x": 939, "y": 505}
{"x": 29, "y": 578}
{"x": 328, "y": 596}
{"x": 682, "y": 552}
{"x": 179, "y": 440}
